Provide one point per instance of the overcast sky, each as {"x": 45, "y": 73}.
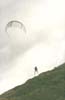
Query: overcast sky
{"x": 42, "y": 45}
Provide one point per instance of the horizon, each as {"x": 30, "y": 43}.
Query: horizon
{"x": 43, "y": 44}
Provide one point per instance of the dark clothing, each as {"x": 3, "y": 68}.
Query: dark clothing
{"x": 36, "y": 69}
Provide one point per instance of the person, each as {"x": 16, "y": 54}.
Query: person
{"x": 35, "y": 70}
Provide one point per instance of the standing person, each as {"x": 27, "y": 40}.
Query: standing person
{"x": 35, "y": 70}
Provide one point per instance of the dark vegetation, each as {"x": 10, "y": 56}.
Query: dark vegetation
{"x": 47, "y": 86}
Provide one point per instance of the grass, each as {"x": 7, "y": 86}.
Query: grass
{"x": 47, "y": 86}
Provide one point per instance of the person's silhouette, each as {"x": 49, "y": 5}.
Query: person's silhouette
{"x": 35, "y": 70}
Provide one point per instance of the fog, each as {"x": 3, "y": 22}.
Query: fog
{"x": 43, "y": 44}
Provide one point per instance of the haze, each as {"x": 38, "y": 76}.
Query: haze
{"x": 43, "y": 44}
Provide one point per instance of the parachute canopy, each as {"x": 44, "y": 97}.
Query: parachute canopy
{"x": 16, "y": 32}
{"x": 15, "y": 24}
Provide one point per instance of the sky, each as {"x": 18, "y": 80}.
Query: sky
{"x": 42, "y": 45}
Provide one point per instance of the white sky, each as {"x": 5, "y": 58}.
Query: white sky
{"x": 43, "y": 45}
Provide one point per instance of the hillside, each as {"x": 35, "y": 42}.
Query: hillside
{"x": 47, "y": 86}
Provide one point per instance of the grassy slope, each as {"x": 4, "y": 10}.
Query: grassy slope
{"x": 47, "y": 86}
